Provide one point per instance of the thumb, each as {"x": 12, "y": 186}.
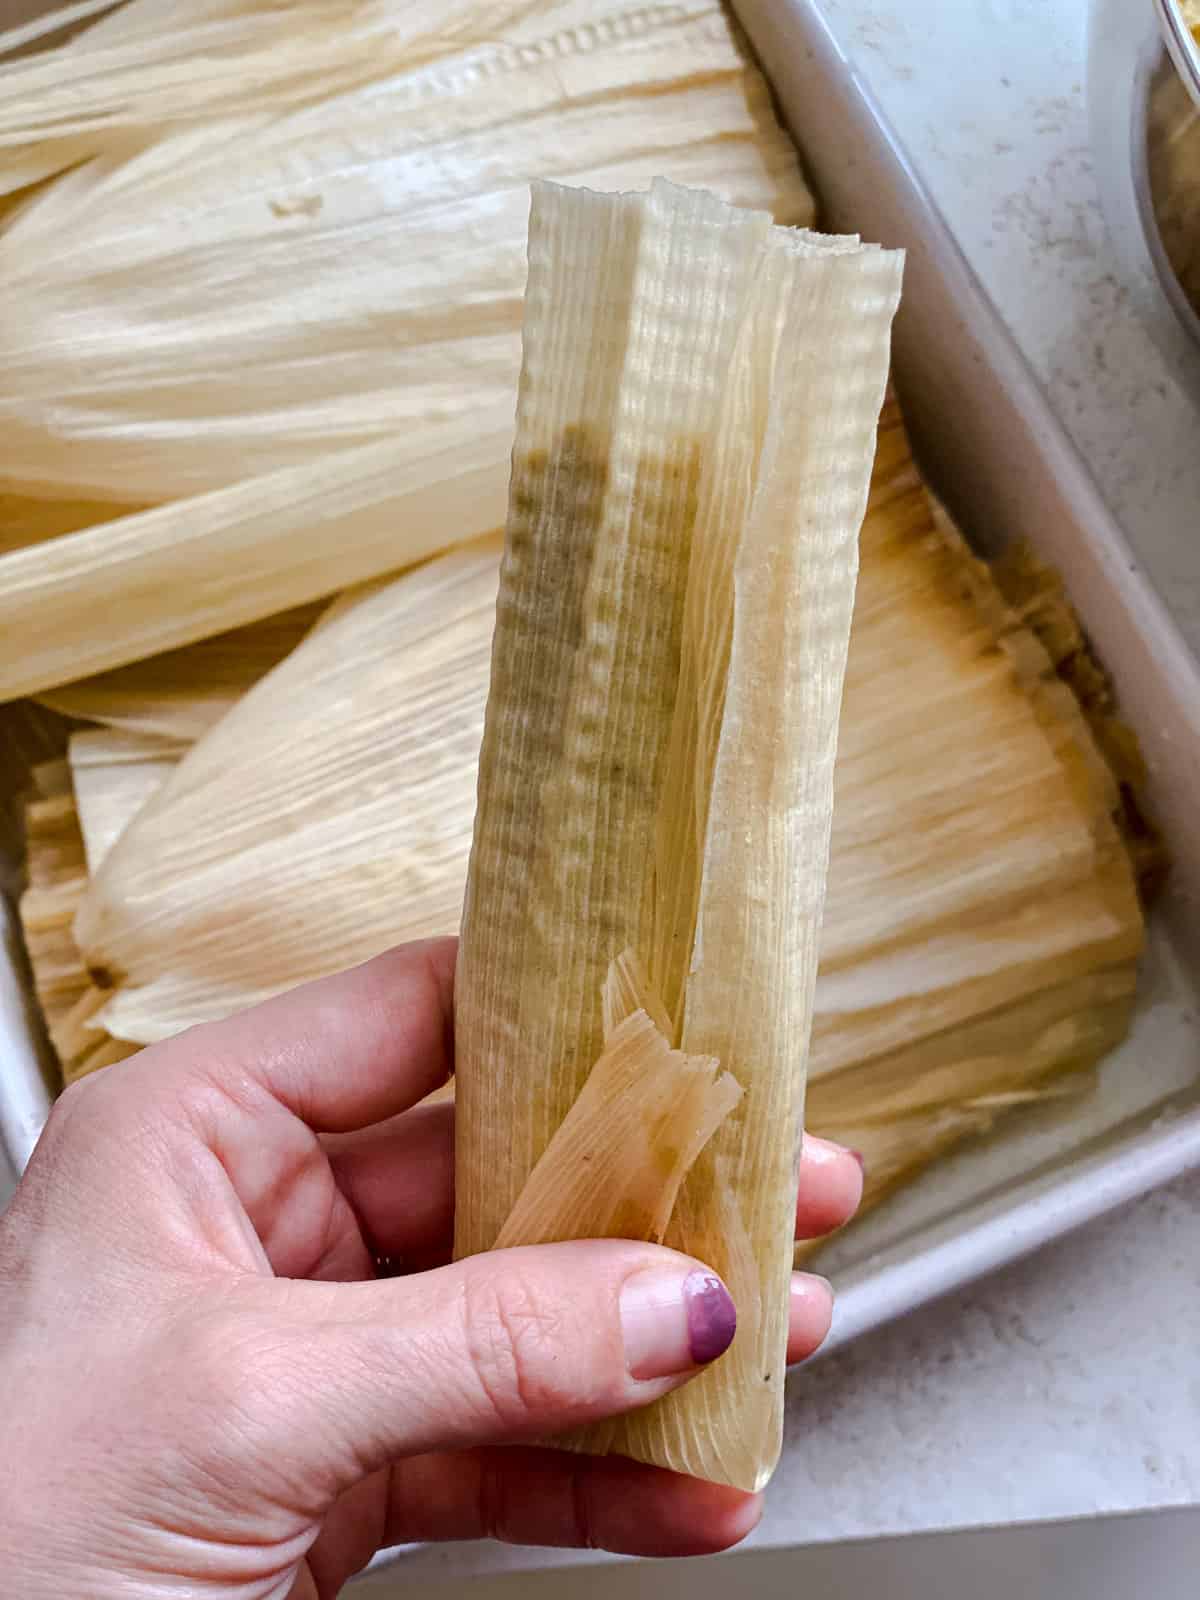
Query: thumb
{"x": 499, "y": 1347}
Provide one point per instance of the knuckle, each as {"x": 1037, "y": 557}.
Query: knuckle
{"x": 519, "y": 1350}
{"x": 71, "y": 1113}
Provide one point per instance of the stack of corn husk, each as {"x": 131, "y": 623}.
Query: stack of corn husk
{"x": 982, "y": 923}
{"x": 260, "y": 288}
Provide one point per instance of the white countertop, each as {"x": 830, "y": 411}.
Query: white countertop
{"x": 1070, "y": 1383}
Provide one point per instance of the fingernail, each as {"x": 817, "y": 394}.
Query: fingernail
{"x": 811, "y": 1285}
{"x": 672, "y": 1321}
{"x": 821, "y": 1152}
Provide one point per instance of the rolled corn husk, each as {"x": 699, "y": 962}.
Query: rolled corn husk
{"x": 656, "y": 773}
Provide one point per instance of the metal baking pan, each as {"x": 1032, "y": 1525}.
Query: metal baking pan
{"x": 998, "y": 456}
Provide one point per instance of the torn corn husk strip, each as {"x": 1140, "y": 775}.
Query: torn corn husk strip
{"x": 657, "y": 763}
{"x": 655, "y": 1109}
{"x": 180, "y": 695}
{"x": 322, "y": 819}
{"x": 271, "y": 291}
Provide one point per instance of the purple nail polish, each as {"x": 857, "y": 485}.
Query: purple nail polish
{"x": 711, "y": 1316}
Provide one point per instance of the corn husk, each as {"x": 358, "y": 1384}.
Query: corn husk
{"x": 113, "y": 775}
{"x": 77, "y": 807}
{"x": 621, "y": 1154}
{"x": 319, "y": 821}
{"x": 977, "y": 818}
{"x": 910, "y": 967}
{"x": 154, "y": 67}
{"x": 299, "y": 323}
{"x": 179, "y": 695}
{"x": 657, "y": 764}
{"x": 913, "y": 1105}
{"x": 56, "y": 872}
{"x": 30, "y": 738}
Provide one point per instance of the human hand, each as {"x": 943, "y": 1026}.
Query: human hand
{"x": 210, "y": 1390}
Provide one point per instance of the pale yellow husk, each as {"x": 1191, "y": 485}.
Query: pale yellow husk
{"x": 56, "y": 873}
{"x": 181, "y": 694}
{"x": 77, "y": 808}
{"x": 322, "y": 819}
{"x": 113, "y": 774}
{"x": 296, "y": 322}
{"x": 911, "y": 959}
{"x": 657, "y": 764}
{"x": 615, "y": 1166}
{"x": 982, "y": 923}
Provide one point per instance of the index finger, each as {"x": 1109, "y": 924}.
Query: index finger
{"x": 346, "y": 1051}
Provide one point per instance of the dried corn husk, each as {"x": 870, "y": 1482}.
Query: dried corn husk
{"x": 657, "y": 763}
{"x": 30, "y": 737}
{"x": 182, "y": 572}
{"x": 57, "y": 876}
{"x": 266, "y": 295}
{"x": 181, "y": 694}
{"x": 1002, "y": 942}
{"x": 908, "y": 1107}
{"x": 938, "y": 968}
{"x": 57, "y": 879}
{"x": 155, "y": 66}
{"x": 77, "y": 808}
{"x": 113, "y": 774}
{"x": 323, "y": 818}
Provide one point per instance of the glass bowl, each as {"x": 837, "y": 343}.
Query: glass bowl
{"x": 1144, "y": 110}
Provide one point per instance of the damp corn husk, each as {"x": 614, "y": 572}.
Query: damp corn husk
{"x": 301, "y": 287}
{"x": 656, "y": 774}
